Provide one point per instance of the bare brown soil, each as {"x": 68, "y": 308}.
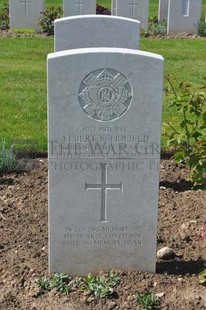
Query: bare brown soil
{"x": 24, "y": 237}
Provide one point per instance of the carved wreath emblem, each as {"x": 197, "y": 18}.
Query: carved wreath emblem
{"x": 105, "y": 94}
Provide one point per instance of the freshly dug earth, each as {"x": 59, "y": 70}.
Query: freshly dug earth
{"x": 24, "y": 238}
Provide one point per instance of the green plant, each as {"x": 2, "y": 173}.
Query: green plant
{"x": 100, "y": 285}
{"x": 189, "y": 137}
{"x": 59, "y": 281}
{"x": 8, "y": 160}
{"x": 202, "y": 277}
{"x": 47, "y": 19}
{"x": 154, "y": 28}
{"x": 159, "y": 28}
{"x": 102, "y": 10}
{"x": 148, "y": 300}
{"x": 24, "y": 31}
{"x": 44, "y": 283}
{"x": 201, "y": 28}
{"x": 4, "y": 17}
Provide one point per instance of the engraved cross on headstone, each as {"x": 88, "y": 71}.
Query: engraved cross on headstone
{"x": 133, "y": 4}
{"x": 104, "y": 186}
{"x": 79, "y": 3}
{"x": 26, "y": 2}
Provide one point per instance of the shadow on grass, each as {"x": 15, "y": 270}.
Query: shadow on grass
{"x": 180, "y": 267}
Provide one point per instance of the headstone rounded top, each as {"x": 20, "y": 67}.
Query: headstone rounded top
{"x": 92, "y": 17}
{"x": 87, "y": 31}
{"x": 104, "y": 50}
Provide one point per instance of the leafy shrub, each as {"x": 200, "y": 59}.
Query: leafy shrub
{"x": 47, "y": 19}
{"x": 158, "y": 28}
{"x": 8, "y": 160}
{"x": 188, "y": 137}
{"x": 102, "y": 10}
{"x": 154, "y": 28}
{"x": 4, "y": 17}
{"x": 201, "y": 28}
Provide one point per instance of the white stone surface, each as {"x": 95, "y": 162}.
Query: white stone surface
{"x": 136, "y": 9}
{"x": 96, "y": 31}
{"x": 165, "y": 253}
{"x": 24, "y": 14}
{"x": 104, "y": 119}
{"x": 184, "y": 16}
{"x": 79, "y": 7}
{"x": 163, "y": 10}
{"x": 113, "y": 7}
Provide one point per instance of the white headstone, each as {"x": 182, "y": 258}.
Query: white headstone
{"x": 95, "y": 31}
{"x": 184, "y": 16}
{"x": 163, "y": 10}
{"x": 79, "y": 7}
{"x": 104, "y": 118}
{"x": 25, "y": 14}
{"x": 137, "y": 9}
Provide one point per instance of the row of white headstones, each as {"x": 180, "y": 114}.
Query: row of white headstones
{"x": 182, "y": 15}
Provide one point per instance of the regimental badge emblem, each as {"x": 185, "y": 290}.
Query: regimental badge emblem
{"x": 105, "y": 94}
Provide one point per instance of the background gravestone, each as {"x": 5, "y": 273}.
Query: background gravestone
{"x": 79, "y": 7}
{"x": 137, "y": 9}
{"x": 113, "y": 7}
{"x": 104, "y": 118}
{"x": 95, "y": 31}
{"x": 163, "y": 10}
{"x": 24, "y": 14}
{"x": 184, "y": 16}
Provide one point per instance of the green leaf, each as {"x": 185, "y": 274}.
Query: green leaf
{"x": 179, "y": 157}
{"x": 204, "y": 117}
{"x": 202, "y": 277}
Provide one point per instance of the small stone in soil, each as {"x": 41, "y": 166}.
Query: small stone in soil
{"x": 165, "y": 253}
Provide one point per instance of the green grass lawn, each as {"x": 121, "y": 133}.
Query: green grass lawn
{"x": 23, "y": 78}
{"x": 185, "y": 59}
{"x": 23, "y": 88}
